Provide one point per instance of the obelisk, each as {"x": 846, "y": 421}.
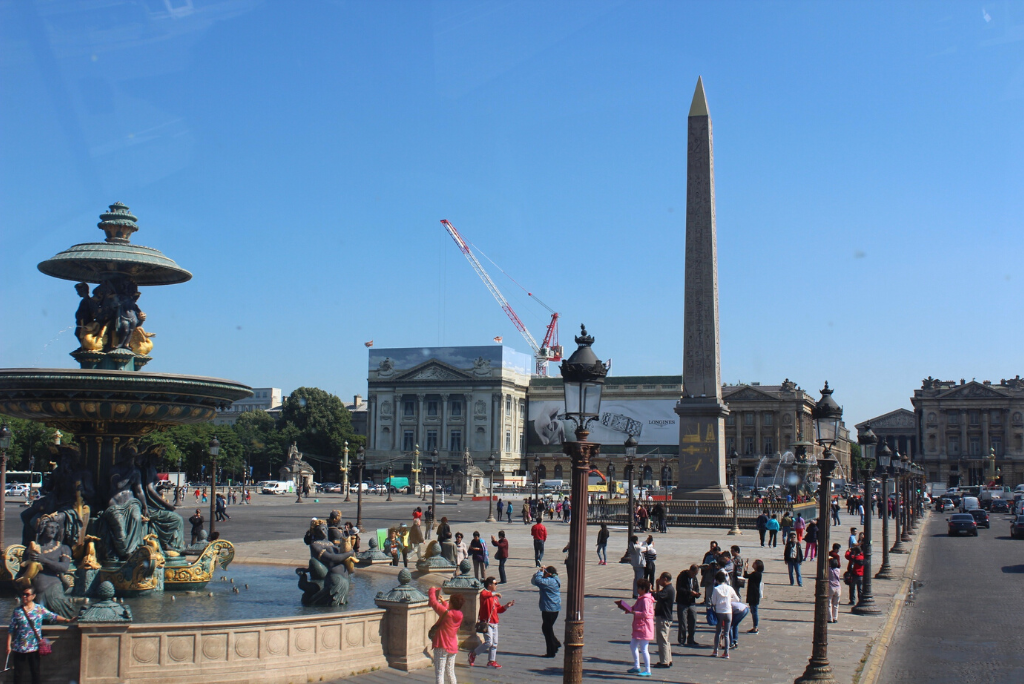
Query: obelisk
{"x": 700, "y": 409}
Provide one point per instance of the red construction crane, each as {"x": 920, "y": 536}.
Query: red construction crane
{"x": 550, "y": 350}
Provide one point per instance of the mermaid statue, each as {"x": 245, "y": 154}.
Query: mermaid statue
{"x": 46, "y": 565}
{"x": 122, "y": 525}
{"x": 326, "y": 581}
{"x": 164, "y": 522}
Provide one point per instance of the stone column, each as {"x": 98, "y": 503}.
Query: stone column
{"x": 758, "y": 443}
{"x": 405, "y": 625}
{"x": 420, "y": 410}
{"x": 464, "y": 583}
{"x": 739, "y": 434}
{"x": 397, "y": 410}
{"x": 984, "y": 434}
{"x": 964, "y": 449}
{"x": 443, "y": 434}
{"x": 495, "y": 423}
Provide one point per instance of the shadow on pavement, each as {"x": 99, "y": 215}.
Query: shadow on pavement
{"x": 1013, "y": 569}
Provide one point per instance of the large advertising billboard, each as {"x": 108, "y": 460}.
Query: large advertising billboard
{"x": 650, "y": 421}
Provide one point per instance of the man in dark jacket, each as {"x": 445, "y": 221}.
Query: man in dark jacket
{"x": 762, "y": 525}
{"x": 197, "y": 525}
{"x": 502, "y": 554}
{"x": 687, "y": 593}
{"x": 664, "y": 598}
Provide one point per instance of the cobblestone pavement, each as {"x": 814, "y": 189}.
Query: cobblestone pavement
{"x": 963, "y": 624}
{"x": 778, "y": 653}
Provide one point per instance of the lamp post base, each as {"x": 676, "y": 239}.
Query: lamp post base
{"x": 866, "y": 606}
{"x": 734, "y": 531}
{"x": 885, "y": 572}
{"x": 490, "y": 518}
{"x": 898, "y": 548}
{"x": 816, "y": 671}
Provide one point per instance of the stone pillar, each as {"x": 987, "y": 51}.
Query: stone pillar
{"x": 396, "y": 419}
{"x": 700, "y": 409}
{"x": 421, "y": 408}
{"x": 758, "y": 442}
{"x": 495, "y": 424}
{"x": 964, "y": 449}
{"x": 470, "y": 587}
{"x": 407, "y": 620}
{"x": 443, "y": 433}
{"x": 984, "y": 434}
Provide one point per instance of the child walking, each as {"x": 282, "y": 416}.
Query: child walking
{"x": 643, "y": 627}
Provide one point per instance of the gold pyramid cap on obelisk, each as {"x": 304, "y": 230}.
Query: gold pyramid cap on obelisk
{"x": 699, "y": 106}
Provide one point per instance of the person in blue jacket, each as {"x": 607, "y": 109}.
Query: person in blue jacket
{"x": 550, "y": 587}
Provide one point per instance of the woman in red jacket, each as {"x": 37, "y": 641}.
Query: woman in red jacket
{"x": 445, "y": 641}
{"x": 490, "y": 608}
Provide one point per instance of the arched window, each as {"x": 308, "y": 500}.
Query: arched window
{"x": 648, "y": 474}
{"x": 558, "y": 471}
{"x": 542, "y": 471}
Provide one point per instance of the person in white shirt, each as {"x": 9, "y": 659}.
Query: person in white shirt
{"x": 722, "y": 599}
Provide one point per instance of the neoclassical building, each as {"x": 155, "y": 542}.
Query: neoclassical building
{"x": 896, "y": 428}
{"x": 969, "y": 429}
{"x": 766, "y": 421}
{"x": 457, "y": 400}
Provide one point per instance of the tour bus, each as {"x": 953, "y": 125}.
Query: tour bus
{"x": 34, "y": 479}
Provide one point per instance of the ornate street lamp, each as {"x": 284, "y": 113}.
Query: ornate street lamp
{"x": 907, "y": 478}
{"x": 433, "y": 487}
{"x": 897, "y": 487}
{"x": 827, "y": 417}
{"x": 416, "y": 473}
{"x": 867, "y": 440}
{"x": 5, "y": 444}
{"x": 391, "y": 478}
{"x": 490, "y": 490}
{"x": 734, "y": 465}
{"x": 344, "y": 473}
{"x": 361, "y": 462}
{"x": 882, "y": 470}
{"x": 536, "y": 480}
{"x": 583, "y": 377}
{"x": 630, "y": 514}
{"x": 214, "y": 452}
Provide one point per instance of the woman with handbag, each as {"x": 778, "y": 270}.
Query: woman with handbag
{"x": 24, "y": 639}
{"x": 444, "y": 635}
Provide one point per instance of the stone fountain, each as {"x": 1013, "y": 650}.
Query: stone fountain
{"x": 101, "y": 517}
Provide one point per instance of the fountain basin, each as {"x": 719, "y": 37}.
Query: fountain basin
{"x": 133, "y": 403}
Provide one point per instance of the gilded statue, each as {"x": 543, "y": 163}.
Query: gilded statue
{"x": 110, "y": 318}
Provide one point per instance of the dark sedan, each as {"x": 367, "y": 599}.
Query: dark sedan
{"x": 999, "y": 506}
{"x": 962, "y": 523}
{"x": 1017, "y": 527}
{"x": 980, "y": 517}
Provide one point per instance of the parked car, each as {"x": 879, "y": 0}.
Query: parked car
{"x": 273, "y": 487}
{"x": 962, "y": 523}
{"x": 1017, "y": 527}
{"x": 980, "y": 517}
{"x": 999, "y": 506}
{"x": 18, "y": 489}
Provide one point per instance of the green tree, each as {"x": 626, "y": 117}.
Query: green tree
{"x": 322, "y": 422}
{"x": 855, "y": 462}
{"x": 191, "y": 443}
{"x": 29, "y": 439}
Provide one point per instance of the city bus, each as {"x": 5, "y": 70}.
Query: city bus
{"x": 32, "y": 479}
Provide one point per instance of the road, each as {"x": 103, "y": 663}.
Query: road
{"x": 962, "y": 626}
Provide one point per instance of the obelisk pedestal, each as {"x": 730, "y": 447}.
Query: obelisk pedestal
{"x": 700, "y": 409}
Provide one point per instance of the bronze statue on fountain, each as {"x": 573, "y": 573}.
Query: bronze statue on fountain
{"x": 326, "y": 581}
{"x": 46, "y": 565}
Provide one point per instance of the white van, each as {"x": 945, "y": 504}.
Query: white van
{"x": 969, "y": 503}
{"x": 274, "y": 487}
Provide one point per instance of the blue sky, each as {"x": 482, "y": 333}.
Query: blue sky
{"x": 297, "y": 158}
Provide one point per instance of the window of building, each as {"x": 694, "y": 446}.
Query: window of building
{"x": 975, "y": 418}
{"x": 769, "y": 445}
{"x": 766, "y": 419}
{"x": 508, "y": 405}
{"x": 542, "y": 472}
{"x": 432, "y": 408}
{"x": 508, "y": 441}
{"x": 408, "y": 440}
{"x": 996, "y": 416}
{"x": 748, "y": 446}
{"x": 666, "y": 476}
{"x": 410, "y": 407}
{"x": 997, "y": 445}
{"x": 730, "y": 419}
{"x": 748, "y": 418}
{"x": 558, "y": 471}
{"x": 975, "y": 446}
{"x": 953, "y": 418}
{"x": 456, "y": 407}
{"x": 954, "y": 445}
{"x": 431, "y": 440}
{"x": 730, "y": 444}
{"x": 455, "y": 441}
